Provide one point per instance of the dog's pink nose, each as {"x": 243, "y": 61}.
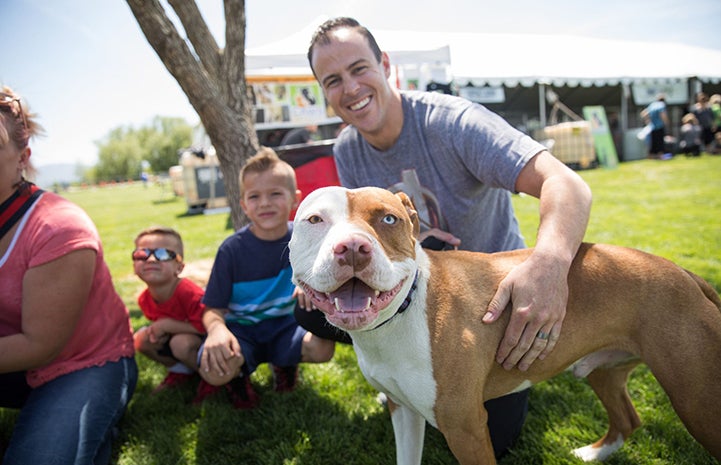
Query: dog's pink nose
{"x": 354, "y": 252}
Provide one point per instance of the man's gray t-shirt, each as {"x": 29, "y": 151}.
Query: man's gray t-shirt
{"x": 456, "y": 159}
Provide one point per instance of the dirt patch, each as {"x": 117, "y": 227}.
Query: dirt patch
{"x": 198, "y": 271}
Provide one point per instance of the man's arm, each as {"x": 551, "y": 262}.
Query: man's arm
{"x": 664, "y": 118}
{"x": 537, "y": 289}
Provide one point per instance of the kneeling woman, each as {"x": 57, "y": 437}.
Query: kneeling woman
{"x": 65, "y": 338}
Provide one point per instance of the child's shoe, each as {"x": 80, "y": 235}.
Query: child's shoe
{"x": 173, "y": 380}
{"x": 241, "y": 393}
{"x": 204, "y": 390}
{"x": 285, "y": 378}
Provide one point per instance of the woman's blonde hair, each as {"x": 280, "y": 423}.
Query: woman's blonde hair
{"x": 17, "y": 123}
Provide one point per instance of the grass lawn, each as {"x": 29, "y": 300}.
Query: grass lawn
{"x": 670, "y": 208}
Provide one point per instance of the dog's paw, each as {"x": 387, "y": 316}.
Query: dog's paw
{"x": 600, "y": 453}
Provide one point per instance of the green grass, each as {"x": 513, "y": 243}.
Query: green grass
{"x": 670, "y": 208}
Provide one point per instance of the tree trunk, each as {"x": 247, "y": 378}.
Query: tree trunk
{"x": 211, "y": 78}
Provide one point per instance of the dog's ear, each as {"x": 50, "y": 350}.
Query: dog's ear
{"x": 410, "y": 209}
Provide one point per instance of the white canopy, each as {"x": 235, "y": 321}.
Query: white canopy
{"x": 403, "y": 48}
{"x": 525, "y": 59}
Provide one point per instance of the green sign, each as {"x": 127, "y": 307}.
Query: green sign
{"x": 602, "y": 139}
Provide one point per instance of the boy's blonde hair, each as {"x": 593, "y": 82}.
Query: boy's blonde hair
{"x": 265, "y": 160}
{"x": 162, "y": 231}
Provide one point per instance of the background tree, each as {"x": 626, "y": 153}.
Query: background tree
{"x": 162, "y": 140}
{"x": 212, "y": 78}
{"x": 122, "y": 152}
{"x": 119, "y": 156}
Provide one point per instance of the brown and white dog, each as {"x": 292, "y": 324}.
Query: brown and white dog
{"x": 415, "y": 320}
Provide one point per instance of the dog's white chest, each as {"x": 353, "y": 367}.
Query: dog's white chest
{"x": 396, "y": 360}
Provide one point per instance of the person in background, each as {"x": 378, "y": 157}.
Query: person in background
{"x": 715, "y": 102}
{"x": 703, "y": 113}
{"x": 173, "y": 305}
{"x": 299, "y": 135}
{"x": 689, "y": 141}
{"x": 656, "y": 115}
{"x": 65, "y": 337}
{"x": 250, "y": 297}
{"x": 459, "y": 163}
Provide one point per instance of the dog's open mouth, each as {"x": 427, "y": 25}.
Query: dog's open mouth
{"x": 354, "y": 304}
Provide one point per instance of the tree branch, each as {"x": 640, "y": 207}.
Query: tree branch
{"x": 234, "y": 60}
{"x": 175, "y": 54}
{"x": 199, "y": 35}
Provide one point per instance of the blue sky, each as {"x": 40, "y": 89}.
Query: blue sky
{"x": 85, "y": 67}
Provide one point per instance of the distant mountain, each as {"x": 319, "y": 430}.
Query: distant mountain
{"x": 60, "y": 173}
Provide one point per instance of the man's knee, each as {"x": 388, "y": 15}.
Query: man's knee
{"x": 317, "y": 349}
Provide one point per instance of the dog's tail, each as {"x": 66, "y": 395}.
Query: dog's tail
{"x": 706, "y": 288}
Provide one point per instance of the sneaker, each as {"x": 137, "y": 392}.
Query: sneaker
{"x": 284, "y": 378}
{"x": 204, "y": 390}
{"x": 241, "y": 393}
{"x": 173, "y": 380}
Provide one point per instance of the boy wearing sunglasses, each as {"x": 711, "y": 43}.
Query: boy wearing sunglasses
{"x": 250, "y": 298}
{"x": 173, "y": 305}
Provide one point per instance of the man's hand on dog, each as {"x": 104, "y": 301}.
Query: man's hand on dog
{"x": 538, "y": 296}
{"x": 303, "y": 300}
{"x": 537, "y": 292}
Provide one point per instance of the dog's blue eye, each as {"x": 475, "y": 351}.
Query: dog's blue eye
{"x": 390, "y": 219}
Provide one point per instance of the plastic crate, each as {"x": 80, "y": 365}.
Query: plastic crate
{"x": 572, "y": 142}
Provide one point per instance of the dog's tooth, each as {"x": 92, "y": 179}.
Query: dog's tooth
{"x": 368, "y": 304}
{"x": 334, "y": 300}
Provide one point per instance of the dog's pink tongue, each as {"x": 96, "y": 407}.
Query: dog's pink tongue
{"x": 353, "y": 296}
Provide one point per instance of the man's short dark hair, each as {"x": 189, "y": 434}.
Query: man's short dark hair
{"x": 322, "y": 36}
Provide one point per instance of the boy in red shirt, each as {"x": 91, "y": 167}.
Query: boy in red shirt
{"x": 174, "y": 307}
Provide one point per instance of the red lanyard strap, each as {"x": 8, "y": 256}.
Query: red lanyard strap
{"x": 15, "y": 207}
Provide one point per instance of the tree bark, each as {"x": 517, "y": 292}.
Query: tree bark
{"x": 213, "y": 79}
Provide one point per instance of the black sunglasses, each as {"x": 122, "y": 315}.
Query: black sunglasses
{"x": 162, "y": 255}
